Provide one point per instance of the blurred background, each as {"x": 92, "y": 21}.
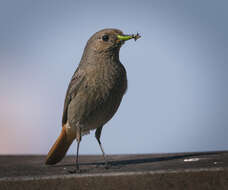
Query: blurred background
{"x": 177, "y": 72}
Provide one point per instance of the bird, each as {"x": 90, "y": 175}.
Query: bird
{"x": 94, "y": 93}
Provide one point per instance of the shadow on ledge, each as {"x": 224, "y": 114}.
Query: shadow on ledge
{"x": 143, "y": 160}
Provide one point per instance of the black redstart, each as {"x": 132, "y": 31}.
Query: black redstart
{"x": 94, "y": 93}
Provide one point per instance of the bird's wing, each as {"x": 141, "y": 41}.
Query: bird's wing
{"x": 73, "y": 87}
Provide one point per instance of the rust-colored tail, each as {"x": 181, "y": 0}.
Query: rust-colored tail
{"x": 60, "y": 148}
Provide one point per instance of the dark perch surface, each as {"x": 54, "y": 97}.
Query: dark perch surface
{"x": 171, "y": 169}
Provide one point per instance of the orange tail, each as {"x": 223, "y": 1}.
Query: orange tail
{"x": 60, "y": 148}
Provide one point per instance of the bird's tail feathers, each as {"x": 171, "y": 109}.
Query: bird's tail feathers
{"x": 60, "y": 148}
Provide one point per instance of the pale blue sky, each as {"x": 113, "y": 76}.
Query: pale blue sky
{"x": 177, "y": 73}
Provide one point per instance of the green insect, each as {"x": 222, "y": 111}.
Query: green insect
{"x": 128, "y": 37}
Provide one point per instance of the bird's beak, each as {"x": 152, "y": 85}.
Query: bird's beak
{"x": 126, "y": 37}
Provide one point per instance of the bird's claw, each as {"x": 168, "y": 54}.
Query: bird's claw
{"x": 74, "y": 171}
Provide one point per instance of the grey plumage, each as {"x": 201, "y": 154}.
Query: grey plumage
{"x": 95, "y": 90}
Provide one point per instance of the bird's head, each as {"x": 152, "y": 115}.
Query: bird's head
{"x": 108, "y": 40}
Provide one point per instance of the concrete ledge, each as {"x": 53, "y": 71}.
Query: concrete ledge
{"x": 153, "y": 171}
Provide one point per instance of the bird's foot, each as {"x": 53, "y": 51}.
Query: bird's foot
{"x": 74, "y": 171}
{"x": 107, "y": 165}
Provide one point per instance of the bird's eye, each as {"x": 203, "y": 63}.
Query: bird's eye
{"x": 105, "y": 38}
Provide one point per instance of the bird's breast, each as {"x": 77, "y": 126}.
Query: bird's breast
{"x": 108, "y": 79}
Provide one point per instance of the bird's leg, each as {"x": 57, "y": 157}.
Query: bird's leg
{"x": 78, "y": 138}
{"x": 98, "y": 135}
